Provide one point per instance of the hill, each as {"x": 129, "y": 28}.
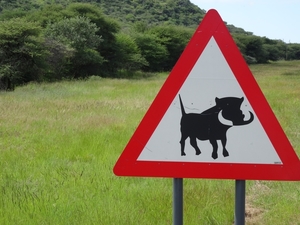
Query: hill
{"x": 177, "y": 12}
{"x": 150, "y": 12}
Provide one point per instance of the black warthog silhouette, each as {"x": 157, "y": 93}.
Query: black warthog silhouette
{"x": 208, "y": 126}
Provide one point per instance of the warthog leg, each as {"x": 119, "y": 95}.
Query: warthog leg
{"x": 182, "y": 143}
{"x": 193, "y": 142}
{"x": 225, "y": 152}
{"x": 214, "y": 144}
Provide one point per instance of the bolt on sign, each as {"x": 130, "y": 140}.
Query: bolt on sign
{"x": 210, "y": 119}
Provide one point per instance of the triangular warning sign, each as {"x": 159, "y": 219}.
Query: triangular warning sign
{"x": 210, "y": 119}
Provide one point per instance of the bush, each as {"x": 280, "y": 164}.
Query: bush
{"x": 129, "y": 55}
{"x": 21, "y": 52}
{"x": 74, "y": 42}
{"x": 249, "y": 59}
{"x": 175, "y": 39}
{"x": 153, "y": 51}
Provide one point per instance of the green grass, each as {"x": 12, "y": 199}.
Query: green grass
{"x": 60, "y": 141}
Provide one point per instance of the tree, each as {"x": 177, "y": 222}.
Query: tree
{"x": 129, "y": 56}
{"x": 273, "y": 52}
{"x": 109, "y": 29}
{"x": 153, "y": 51}
{"x": 174, "y": 38}
{"x": 240, "y": 43}
{"x": 10, "y": 14}
{"x": 47, "y": 14}
{"x": 78, "y": 41}
{"x": 21, "y": 52}
{"x": 276, "y": 49}
{"x": 293, "y": 51}
{"x": 252, "y": 48}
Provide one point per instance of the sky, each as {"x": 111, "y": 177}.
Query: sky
{"x": 274, "y": 19}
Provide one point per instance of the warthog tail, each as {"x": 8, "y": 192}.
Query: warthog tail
{"x": 181, "y": 106}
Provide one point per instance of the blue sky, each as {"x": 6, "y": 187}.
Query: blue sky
{"x": 275, "y": 19}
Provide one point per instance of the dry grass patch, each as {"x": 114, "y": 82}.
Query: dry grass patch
{"x": 254, "y": 213}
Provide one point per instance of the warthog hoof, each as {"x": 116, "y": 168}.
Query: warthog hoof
{"x": 198, "y": 152}
{"x": 225, "y": 153}
{"x": 214, "y": 155}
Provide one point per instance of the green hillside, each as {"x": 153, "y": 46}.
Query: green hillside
{"x": 177, "y": 12}
{"x": 150, "y": 12}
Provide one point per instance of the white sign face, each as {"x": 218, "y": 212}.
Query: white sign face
{"x": 210, "y": 78}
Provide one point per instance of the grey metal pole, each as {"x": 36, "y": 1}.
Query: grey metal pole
{"x": 240, "y": 199}
{"x": 177, "y": 201}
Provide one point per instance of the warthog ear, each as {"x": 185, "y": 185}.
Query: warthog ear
{"x": 242, "y": 99}
{"x": 217, "y": 100}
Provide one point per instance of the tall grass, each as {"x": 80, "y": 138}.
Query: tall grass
{"x": 60, "y": 141}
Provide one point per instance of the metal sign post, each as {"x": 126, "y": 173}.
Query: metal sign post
{"x": 177, "y": 201}
{"x": 240, "y": 198}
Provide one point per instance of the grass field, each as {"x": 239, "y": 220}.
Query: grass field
{"x": 60, "y": 141}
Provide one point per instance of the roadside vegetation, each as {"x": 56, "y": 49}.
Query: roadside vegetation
{"x": 48, "y": 41}
{"x": 59, "y": 142}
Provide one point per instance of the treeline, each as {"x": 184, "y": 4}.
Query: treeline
{"x": 76, "y": 41}
{"x": 257, "y": 49}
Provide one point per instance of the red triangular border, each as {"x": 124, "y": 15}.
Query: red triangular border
{"x": 211, "y": 25}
